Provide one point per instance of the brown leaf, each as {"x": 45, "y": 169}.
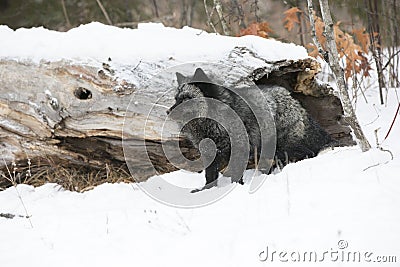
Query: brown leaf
{"x": 313, "y": 50}
{"x": 291, "y": 17}
{"x": 261, "y": 29}
{"x": 352, "y": 53}
{"x": 362, "y": 38}
{"x": 319, "y": 30}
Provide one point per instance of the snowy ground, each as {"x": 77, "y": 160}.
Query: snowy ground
{"x": 341, "y": 201}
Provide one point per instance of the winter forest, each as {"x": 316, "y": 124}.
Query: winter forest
{"x": 199, "y": 132}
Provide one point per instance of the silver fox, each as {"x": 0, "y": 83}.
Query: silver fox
{"x": 298, "y": 136}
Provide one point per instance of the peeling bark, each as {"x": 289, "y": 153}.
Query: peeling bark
{"x": 66, "y": 114}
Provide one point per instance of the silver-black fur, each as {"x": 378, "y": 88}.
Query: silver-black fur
{"x": 297, "y": 135}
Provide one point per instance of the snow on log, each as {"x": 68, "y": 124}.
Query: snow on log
{"x": 68, "y": 113}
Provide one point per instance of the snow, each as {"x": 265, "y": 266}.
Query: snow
{"x": 98, "y": 42}
{"x": 311, "y": 205}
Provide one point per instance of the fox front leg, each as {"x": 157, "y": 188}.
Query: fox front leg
{"x": 212, "y": 172}
{"x": 211, "y": 176}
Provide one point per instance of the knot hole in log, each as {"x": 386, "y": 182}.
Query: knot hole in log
{"x": 82, "y": 93}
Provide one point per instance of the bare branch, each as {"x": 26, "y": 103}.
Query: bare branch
{"x": 66, "y": 14}
{"x": 389, "y": 59}
{"x": 156, "y": 8}
{"x": 314, "y": 32}
{"x": 254, "y": 8}
{"x": 104, "y": 12}
{"x": 12, "y": 179}
{"x": 240, "y": 12}
{"x": 209, "y": 21}
{"x": 218, "y": 7}
{"x": 394, "y": 119}
{"x": 375, "y": 37}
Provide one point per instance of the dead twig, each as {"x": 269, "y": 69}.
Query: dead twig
{"x": 394, "y": 119}
{"x": 378, "y": 145}
{"x": 156, "y": 8}
{"x": 209, "y": 21}
{"x": 66, "y": 14}
{"x": 104, "y": 12}
{"x": 12, "y": 179}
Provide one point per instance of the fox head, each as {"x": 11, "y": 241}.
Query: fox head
{"x": 199, "y": 86}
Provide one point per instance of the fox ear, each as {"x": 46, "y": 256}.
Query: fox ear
{"x": 206, "y": 86}
{"x": 200, "y": 76}
{"x": 181, "y": 78}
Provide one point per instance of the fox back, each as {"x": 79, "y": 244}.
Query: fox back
{"x": 297, "y": 135}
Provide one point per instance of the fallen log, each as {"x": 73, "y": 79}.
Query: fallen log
{"x": 64, "y": 115}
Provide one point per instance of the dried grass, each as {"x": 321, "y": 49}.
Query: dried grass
{"x": 75, "y": 178}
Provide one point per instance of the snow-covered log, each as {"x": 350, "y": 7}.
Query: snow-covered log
{"x": 69, "y": 114}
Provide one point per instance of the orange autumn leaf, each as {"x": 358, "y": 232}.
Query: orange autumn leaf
{"x": 319, "y": 30}
{"x": 313, "y": 50}
{"x": 291, "y": 18}
{"x": 362, "y": 38}
{"x": 261, "y": 29}
{"x": 353, "y": 54}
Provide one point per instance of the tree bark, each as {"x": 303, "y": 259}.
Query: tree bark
{"x": 218, "y": 8}
{"x": 209, "y": 16}
{"x": 314, "y": 32}
{"x": 349, "y": 113}
{"x": 240, "y": 13}
{"x": 68, "y": 115}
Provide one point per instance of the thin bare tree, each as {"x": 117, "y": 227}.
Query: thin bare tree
{"x": 187, "y": 12}
{"x": 376, "y": 42}
{"x": 66, "y": 14}
{"x": 349, "y": 113}
{"x": 156, "y": 9}
{"x": 104, "y": 12}
{"x": 209, "y": 16}
{"x": 240, "y": 13}
{"x": 218, "y": 8}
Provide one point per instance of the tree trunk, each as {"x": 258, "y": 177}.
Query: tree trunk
{"x": 239, "y": 9}
{"x": 218, "y": 8}
{"x": 66, "y": 115}
{"x": 376, "y": 43}
{"x": 349, "y": 113}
